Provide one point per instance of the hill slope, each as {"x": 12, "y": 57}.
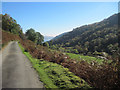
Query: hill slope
{"x": 101, "y": 36}
{"x": 55, "y": 38}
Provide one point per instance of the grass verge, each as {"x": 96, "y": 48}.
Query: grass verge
{"x": 54, "y": 75}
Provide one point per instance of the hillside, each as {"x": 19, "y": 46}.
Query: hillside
{"x": 55, "y": 38}
{"x": 100, "y": 37}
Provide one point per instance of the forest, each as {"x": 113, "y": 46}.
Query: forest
{"x": 93, "y": 39}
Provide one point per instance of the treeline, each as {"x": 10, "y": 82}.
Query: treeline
{"x": 10, "y": 25}
{"x": 93, "y": 38}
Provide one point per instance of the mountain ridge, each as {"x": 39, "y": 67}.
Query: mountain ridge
{"x": 58, "y": 36}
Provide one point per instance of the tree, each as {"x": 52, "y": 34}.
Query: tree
{"x": 51, "y": 42}
{"x": 39, "y": 38}
{"x": 10, "y": 24}
{"x": 31, "y": 35}
{"x": 34, "y": 36}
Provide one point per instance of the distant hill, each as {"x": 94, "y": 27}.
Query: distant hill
{"x": 55, "y": 38}
{"x": 47, "y": 38}
{"x": 100, "y": 36}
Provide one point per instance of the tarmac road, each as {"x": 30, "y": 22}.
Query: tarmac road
{"x": 17, "y": 71}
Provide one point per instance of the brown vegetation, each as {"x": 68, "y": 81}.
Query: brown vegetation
{"x": 98, "y": 76}
{"x": 102, "y": 76}
{"x": 7, "y": 37}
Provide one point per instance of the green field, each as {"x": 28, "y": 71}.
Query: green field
{"x": 88, "y": 59}
{"x": 54, "y": 75}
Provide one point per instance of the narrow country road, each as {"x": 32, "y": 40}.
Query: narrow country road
{"x": 17, "y": 71}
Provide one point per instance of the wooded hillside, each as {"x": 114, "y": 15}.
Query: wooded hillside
{"x": 98, "y": 37}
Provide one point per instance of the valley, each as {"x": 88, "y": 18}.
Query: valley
{"x": 85, "y": 58}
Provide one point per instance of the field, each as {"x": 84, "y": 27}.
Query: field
{"x": 88, "y": 59}
{"x": 54, "y": 75}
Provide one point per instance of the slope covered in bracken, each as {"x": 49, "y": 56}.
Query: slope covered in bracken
{"x": 7, "y": 37}
{"x": 98, "y": 76}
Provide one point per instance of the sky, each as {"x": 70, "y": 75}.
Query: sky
{"x": 54, "y": 18}
{"x": 60, "y": 0}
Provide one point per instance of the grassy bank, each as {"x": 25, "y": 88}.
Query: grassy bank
{"x": 88, "y": 59}
{"x": 54, "y": 75}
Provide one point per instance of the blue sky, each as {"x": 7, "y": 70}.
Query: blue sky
{"x": 54, "y": 18}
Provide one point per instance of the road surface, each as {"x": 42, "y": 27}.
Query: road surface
{"x": 17, "y": 71}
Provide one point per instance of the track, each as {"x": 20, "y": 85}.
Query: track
{"x": 17, "y": 71}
